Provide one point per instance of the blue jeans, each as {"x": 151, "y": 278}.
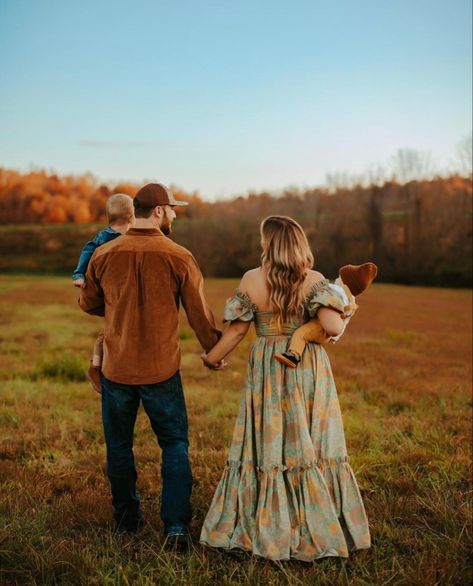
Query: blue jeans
{"x": 165, "y": 407}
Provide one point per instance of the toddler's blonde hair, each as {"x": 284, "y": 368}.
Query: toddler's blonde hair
{"x": 119, "y": 208}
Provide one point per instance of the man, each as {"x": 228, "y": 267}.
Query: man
{"x": 137, "y": 282}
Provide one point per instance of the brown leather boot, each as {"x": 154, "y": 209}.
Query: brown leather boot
{"x": 288, "y": 358}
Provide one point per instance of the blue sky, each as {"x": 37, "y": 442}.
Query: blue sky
{"x": 227, "y": 96}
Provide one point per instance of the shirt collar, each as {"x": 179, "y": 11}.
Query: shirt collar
{"x": 144, "y": 232}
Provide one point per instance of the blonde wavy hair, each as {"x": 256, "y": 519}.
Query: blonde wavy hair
{"x": 287, "y": 258}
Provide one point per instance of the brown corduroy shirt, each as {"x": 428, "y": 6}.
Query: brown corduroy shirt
{"x": 137, "y": 282}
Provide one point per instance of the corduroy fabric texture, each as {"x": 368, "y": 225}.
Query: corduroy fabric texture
{"x": 137, "y": 282}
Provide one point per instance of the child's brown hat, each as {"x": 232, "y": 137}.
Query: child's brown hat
{"x": 358, "y": 277}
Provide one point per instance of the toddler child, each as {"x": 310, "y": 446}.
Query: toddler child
{"x": 120, "y": 216}
{"x": 352, "y": 281}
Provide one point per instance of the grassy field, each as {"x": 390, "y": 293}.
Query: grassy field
{"x": 403, "y": 374}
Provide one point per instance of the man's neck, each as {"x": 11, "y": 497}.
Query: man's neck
{"x": 142, "y": 223}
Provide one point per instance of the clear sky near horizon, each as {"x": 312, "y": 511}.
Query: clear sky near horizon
{"x": 224, "y": 96}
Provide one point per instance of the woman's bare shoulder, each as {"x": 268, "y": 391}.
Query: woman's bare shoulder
{"x": 315, "y": 277}
{"x": 251, "y": 276}
{"x": 253, "y": 283}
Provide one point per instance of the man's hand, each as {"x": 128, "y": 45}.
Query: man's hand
{"x": 79, "y": 283}
{"x": 213, "y": 365}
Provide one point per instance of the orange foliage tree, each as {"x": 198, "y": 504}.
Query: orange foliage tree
{"x": 416, "y": 230}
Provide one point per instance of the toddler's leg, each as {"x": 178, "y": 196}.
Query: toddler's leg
{"x": 97, "y": 356}
{"x": 298, "y": 340}
{"x": 312, "y": 331}
{"x": 93, "y": 373}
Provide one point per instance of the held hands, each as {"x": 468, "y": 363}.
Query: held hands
{"x": 79, "y": 283}
{"x": 220, "y": 365}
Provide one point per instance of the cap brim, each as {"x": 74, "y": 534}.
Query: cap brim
{"x": 179, "y": 203}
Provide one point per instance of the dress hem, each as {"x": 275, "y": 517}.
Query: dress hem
{"x": 324, "y": 554}
{"x": 327, "y": 483}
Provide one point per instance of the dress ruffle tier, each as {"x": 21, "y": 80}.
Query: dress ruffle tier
{"x": 305, "y": 512}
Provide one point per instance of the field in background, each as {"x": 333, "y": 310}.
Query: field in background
{"x": 403, "y": 374}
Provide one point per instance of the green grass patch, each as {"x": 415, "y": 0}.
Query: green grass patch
{"x": 64, "y": 367}
{"x": 404, "y": 384}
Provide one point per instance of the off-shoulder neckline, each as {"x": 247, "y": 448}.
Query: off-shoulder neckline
{"x": 315, "y": 287}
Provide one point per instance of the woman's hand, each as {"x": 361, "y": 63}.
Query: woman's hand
{"x": 231, "y": 337}
{"x": 212, "y": 365}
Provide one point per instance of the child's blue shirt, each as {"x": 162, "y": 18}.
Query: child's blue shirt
{"x": 102, "y": 237}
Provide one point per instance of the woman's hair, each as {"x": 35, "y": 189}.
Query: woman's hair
{"x": 287, "y": 258}
{"x": 119, "y": 208}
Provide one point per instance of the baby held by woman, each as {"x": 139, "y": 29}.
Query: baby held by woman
{"x": 351, "y": 282}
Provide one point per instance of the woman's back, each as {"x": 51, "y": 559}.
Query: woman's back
{"x": 255, "y": 284}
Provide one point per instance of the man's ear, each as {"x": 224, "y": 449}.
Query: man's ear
{"x": 158, "y": 211}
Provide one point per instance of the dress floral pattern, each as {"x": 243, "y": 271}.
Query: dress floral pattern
{"x": 287, "y": 490}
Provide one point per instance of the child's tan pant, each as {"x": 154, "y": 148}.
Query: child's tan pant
{"x": 312, "y": 331}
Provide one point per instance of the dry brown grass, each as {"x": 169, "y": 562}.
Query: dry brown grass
{"x": 403, "y": 372}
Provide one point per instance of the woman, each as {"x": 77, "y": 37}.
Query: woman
{"x": 287, "y": 490}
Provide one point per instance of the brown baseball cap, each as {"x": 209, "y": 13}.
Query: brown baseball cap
{"x": 358, "y": 277}
{"x": 155, "y": 194}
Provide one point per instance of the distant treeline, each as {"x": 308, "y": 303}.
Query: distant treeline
{"x": 418, "y": 232}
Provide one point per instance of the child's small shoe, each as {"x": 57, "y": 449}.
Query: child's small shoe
{"x": 288, "y": 358}
{"x": 93, "y": 376}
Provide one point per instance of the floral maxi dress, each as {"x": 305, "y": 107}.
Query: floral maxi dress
{"x": 287, "y": 490}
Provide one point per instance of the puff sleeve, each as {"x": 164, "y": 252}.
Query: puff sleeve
{"x": 239, "y": 307}
{"x": 324, "y": 295}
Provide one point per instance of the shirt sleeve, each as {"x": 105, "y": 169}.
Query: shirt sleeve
{"x": 199, "y": 314}
{"x": 85, "y": 256}
{"x": 91, "y": 298}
